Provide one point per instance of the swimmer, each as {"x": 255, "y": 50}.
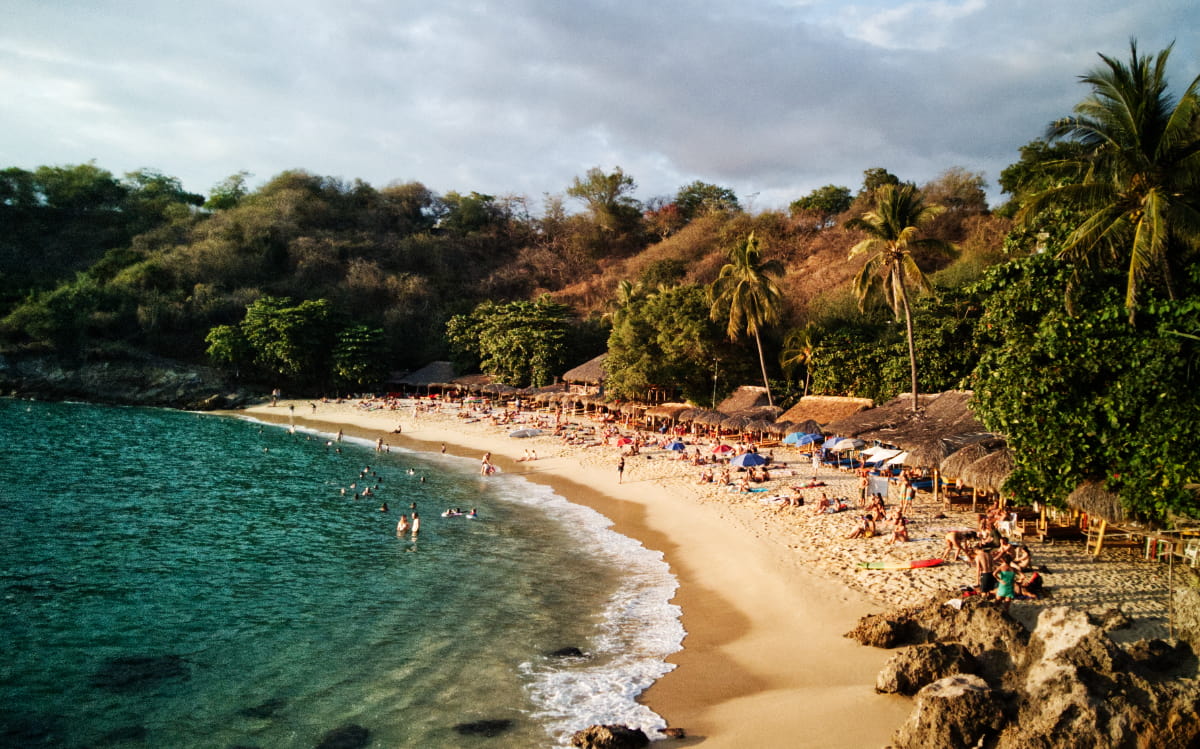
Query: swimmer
{"x": 384, "y": 507}
{"x": 402, "y": 527}
{"x": 416, "y": 524}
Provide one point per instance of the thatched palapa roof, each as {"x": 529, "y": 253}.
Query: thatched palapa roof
{"x": 745, "y": 397}
{"x": 667, "y": 410}
{"x": 989, "y": 472}
{"x": 1095, "y": 499}
{"x": 589, "y": 373}
{"x": 823, "y": 409}
{"x": 430, "y": 374}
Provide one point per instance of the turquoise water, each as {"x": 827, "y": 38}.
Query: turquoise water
{"x": 181, "y": 580}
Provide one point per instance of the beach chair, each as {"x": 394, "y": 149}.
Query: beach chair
{"x": 1191, "y": 552}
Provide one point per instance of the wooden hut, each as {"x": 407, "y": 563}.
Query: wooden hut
{"x": 433, "y": 374}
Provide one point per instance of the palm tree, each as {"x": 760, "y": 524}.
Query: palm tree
{"x": 799, "y": 348}
{"x": 892, "y": 235}
{"x": 746, "y": 292}
{"x": 1139, "y": 193}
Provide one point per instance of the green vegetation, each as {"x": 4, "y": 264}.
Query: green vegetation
{"x": 1072, "y": 311}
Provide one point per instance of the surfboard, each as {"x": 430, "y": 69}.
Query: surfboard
{"x": 889, "y": 565}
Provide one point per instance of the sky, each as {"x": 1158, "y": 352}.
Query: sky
{"x": 770, "y": 98}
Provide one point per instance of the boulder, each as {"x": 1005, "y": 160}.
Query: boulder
{"x": 567, "y": 652}
{"x": 956, "y": 711}
{"x": 1185, "y": 601}
{"x": 610, "y": 737}
{"x": 909, "y": 670}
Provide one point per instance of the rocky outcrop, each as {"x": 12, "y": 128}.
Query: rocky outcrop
{"x": 912, "y": 668}
{"x": 610, "y": 737}
{"x": 1186, "y": 605}
{"x": 955, "y": 711}
{"x": 1065, "y": 684}
{"x": 141, "y": 381}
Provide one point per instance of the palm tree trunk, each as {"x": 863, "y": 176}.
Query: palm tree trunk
{"x": 912, "y": 347}
{"x": 762, "y": 362}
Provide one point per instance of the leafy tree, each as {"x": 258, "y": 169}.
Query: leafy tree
{"x": 228, "y": 192}
{"x": 875, "y": 178}
{"x": 291, "y": 341}
{"x": 958, "y": 190}
{"x": 826, "y": 202}
{"x": 1139, "y": 195}
{"x": 667, "y": 339}
{"x": 1084, "y": 396}
{"x": 465, "y": 214}
{"x": 892, "y": 235}
{"x": 745, "y": 291}
{"x": 520, "y": 343}
{"x": 609, "y": 198}
{"x": 701, "y": 197}
{"x": 228, "y": 347}
{"x": 359, "y": 356}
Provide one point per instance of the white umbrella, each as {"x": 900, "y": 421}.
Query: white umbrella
{"x": 899, "y": 460}
{"x": 846, "y": 444}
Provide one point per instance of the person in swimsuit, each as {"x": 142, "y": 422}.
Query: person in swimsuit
{"x": 402, "y": 526}
{"x": 1006, "y": 579}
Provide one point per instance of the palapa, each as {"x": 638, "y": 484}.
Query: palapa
{"x": 591, "y": 372}
{"x": 958, "y": 461}
{"x": 823, "y": 409}
{"x": 989, "y": 473}
{"x": 745, "y": 397}
{"x": 1094, "y": 498}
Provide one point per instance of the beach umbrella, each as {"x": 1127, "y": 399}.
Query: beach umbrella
{"x": 722, "y": 449}
{"x": 623, "y": 441}
{"x": 525, "y": 433}
{"x": 746, "y": 460}
{"x": 829, "y": 443}
{"x": 677, "y": 446}
{"x": 898, "y": 460}
{"x": 843, "y": 445}
{"x": 799, "y": 439}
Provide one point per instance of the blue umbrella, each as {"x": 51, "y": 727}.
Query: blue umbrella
{"x": 746, "y": 460}
{"x": 677, "y": 446}
{"x": 800, "y": 438}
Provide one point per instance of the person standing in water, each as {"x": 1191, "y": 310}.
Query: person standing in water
{"x": 402, "y": 527}
{"x": 416, "y": 524}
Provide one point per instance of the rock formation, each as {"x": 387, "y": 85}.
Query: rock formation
{"x": 982, "y": 680}
{"x": 610, "y": 737}
{"x": 143, "y": 381}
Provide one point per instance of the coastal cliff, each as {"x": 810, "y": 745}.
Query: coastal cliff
{"x": 141, "y": 381}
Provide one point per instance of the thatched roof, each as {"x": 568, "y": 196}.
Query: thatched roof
{"x": 1093, "y": 498}
{"x": 589, "y": 373}
{"x": 823, "y": 409}
{"x": 989, "y": 472}
{"x": 960, "y": 460}
{"x": 667, "y": 410}
{"x": 745, "y": 397}
{"x": 808, "y": 427}
{"x": 431, "y": 373}
{"x": 889, "y": 415}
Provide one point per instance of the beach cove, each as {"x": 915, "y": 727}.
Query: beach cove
{"x": 767, "y": 593}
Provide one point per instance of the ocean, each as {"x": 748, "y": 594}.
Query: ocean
{"x": 175, "y": 579}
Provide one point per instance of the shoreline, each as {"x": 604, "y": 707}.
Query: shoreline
{"x": 766, "y": 595}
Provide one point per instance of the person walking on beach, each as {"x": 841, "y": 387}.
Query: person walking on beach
{"x": 621, "y": 470}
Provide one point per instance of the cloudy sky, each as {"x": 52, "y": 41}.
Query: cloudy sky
{"x": 771, "y": 98}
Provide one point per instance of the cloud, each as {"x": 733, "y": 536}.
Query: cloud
{"x": 769, "y": 97}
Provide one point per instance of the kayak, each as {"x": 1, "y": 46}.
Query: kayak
{"x": 914, "y": 564}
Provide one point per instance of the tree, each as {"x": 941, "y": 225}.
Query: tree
{"x": 520, "y": 343}
{"x": 745, "y": 291}
{"x": 291, "y": 341}
{"x": 665, "y": 339}
{"x": 957, "y": 189}
{"x": 701, "y": 197}
{"x": 609, "y": 198}
{"x": 799, "y": 348}
{"x": 892, "y": 235}
{"x": 359, "y": 356}
{"x": 826, "y": 202}
{"x": 1139, "y": 194}
{"x": 1082, "y": 395}
{"x": 228, "y": 192}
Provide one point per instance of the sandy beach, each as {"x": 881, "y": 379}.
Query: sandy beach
{"x": 767, "y": 591}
